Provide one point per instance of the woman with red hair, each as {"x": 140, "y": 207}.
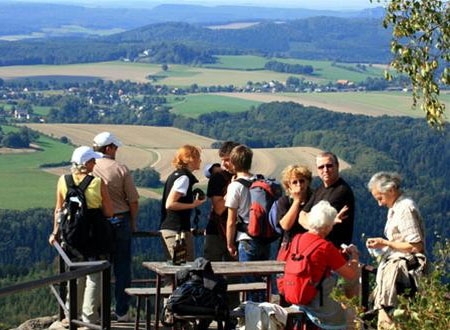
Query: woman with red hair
{"x": 178, "y": 200}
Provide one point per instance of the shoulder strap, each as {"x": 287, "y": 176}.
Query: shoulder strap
{"x": 246, "y": 183}
{"x": 85, "y": 182}
{"x": 69, "y": 180}
{"x": 311, "y": 248}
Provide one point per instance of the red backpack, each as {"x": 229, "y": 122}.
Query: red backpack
{"x": 263, "y": 193}
{"x": 298, "y": 285}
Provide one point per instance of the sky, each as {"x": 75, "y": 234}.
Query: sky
{"x": 309, "y": 4}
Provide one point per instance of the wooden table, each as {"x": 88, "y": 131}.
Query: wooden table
{"x": 229, "y": 268}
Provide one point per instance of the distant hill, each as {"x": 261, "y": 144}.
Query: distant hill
{"x": 362, "y": 40}
{"x": 46, "y": 20}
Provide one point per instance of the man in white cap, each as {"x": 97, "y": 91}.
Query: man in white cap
{"x": 125, "y": 200}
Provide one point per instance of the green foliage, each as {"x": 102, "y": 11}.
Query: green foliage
{"x": 430, "y": 309}
{"x": 20, "y": 138}
{"x": 289, "y": 68}
{"x": 146, "y": 177}
{"x": 421, "y": 48}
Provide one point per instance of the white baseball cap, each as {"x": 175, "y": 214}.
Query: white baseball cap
{"x": 207, "y": 170}
{"x": 82, "y": 155}
{"x": 105, "y": 139}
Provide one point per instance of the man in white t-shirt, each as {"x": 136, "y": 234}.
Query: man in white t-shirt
{"x": 239, "y": 244}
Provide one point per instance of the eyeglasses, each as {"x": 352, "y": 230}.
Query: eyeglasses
{"x": 300, "y": 181}
{"x": 328, "y": 166}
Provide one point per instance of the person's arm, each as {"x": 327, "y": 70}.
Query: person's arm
{"x": 350, "y": 270}
{"x": 379, "y": 243}
{"x": 218, "y": 204}
{"x": 58, "y": 206}
{"x": 289, "y": 218}
{"x": 134, "y": 208}
{"x": 303, "y": 219}
{"x": 132, "y": 197}
{"x": 173, "y": 204}
{"x": 231, "y": 231}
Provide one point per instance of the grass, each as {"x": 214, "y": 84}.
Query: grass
{"x": 323, "y": 70}
{"x": 243, "y": 62}
{"x": 197, "y": 104}
{"x": 41, "y": 110}
{"x": 24, "y": 185}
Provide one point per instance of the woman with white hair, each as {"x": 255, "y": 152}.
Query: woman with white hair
{"x": 325, "y": 262}
{"x": 402, "y": 260}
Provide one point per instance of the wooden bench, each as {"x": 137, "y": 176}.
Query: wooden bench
{"x": 146, "y": 293}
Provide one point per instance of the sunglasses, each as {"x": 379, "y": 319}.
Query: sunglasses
{"x": 328, "y": 166}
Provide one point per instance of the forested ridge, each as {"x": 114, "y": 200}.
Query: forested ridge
{"x": 318, "y": 38}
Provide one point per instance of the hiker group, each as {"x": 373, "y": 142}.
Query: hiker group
{"x": 249, "y": 212}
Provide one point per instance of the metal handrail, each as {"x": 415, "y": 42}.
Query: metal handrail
{"x": 56, "y": 279}
{"x": 75, "y": 270}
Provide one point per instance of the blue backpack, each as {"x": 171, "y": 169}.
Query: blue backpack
{"x": 263, "y": 193}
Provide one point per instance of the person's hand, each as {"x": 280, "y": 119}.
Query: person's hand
{"x": 352, "y": 251}
{"x": 52, "y": 239}
{"x": 342, "y": 214}
{"x": 376, "y": 243}
{"x": 198, "y": 202}
{"x": 295, "y": 191}
{"x": 232, "y": 250}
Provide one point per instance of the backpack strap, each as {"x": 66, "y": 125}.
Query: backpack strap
{"x": 241, "y": 224}
{"x": 310, "y": 249}
{"x": 69, "y": 181}
{"x": 83, "y": 184}
{"x": 246, "y": 183}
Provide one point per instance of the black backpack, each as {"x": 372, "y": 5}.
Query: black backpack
{"x": 199, "y": 292}
{"x": 84, "y": 232}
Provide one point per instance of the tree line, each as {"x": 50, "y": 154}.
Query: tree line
{"x": 358, "y": 40}
{"x": 278, "y": 66}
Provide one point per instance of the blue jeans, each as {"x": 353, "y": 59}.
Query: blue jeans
{"x": 121, "y": 260}
{"x": 250, "y": 250}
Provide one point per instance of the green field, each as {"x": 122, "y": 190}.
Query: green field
{"x": 197, "y": 104}
{"x": 24, "y": 185}
{"x": 323, "y": 70}
{"x": 243, "y": 62}
{"x": 231, "y": 70}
